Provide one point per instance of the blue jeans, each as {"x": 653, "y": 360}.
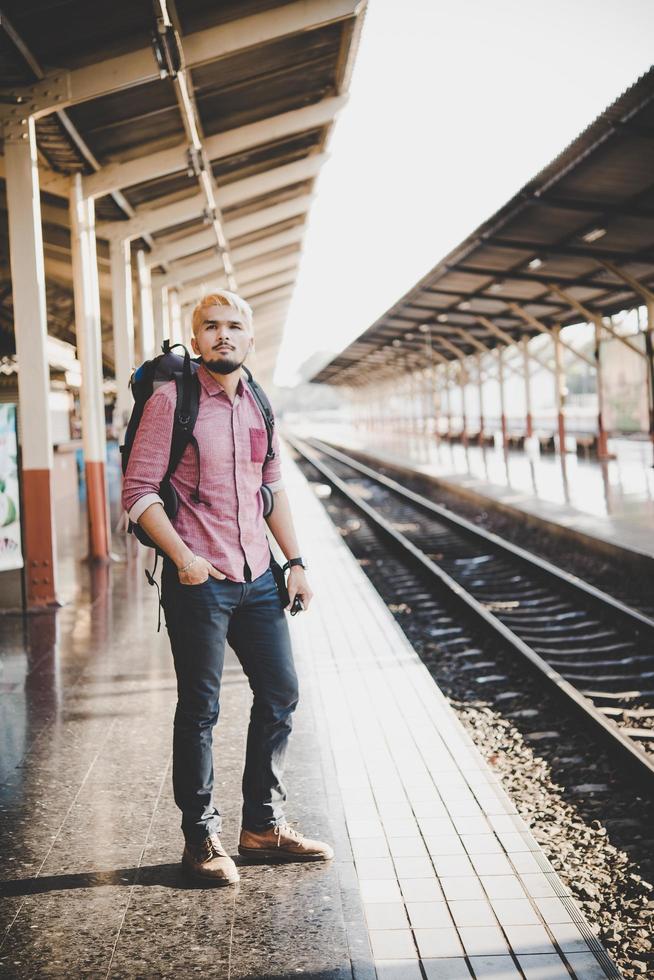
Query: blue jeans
{"x": 250, "y": 616}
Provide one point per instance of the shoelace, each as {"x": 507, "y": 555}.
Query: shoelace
{"x": 211, "y": 848}
{"x": 289, "y": 831}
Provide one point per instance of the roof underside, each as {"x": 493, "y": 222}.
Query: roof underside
{"x": 299, "y": 70}
{"x": 593, "y": 204}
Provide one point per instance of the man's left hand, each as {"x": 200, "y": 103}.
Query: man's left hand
{"x": 297, "y": 584}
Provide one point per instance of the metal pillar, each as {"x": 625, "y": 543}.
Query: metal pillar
{"x": 30, "y": 326}
{"x": 414, "y": 388}
{"x": 649, "y": 349}
{"x": 480, "y": 383}
{"x": 427, "y": 402}
{"x": 464, "y": 417}
{"x": 500, "y": 378}
{"x": 146, "y": 315}
{"x": 448, "y": 399}
{"x": 527, "y": 376}
{"x": 160, "y": 313}
{"x": 558, "y": 388}
{"x": 436, "y": 402}
{"x": 175, "y": 317}
{"x": 602, "y": 444}
{"x": 123, "y": 317}
{"x": 89, "y": 344}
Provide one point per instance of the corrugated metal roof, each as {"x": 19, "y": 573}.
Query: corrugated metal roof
{"x": 593, "y": 202}
{"x": 253, "y": 84}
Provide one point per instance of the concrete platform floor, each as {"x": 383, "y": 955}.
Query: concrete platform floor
{"x": 435, "y": 875}
{"x": 612, "y": 502}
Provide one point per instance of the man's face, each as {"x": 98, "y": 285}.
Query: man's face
{"x": 223, "y": 339}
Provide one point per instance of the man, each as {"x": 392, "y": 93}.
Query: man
{"x": 217, "y": 585}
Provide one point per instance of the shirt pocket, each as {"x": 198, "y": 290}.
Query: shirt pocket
{"x": 258, "y": 445}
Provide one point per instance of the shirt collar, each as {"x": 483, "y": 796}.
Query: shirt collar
{"x": 213, "y": 387}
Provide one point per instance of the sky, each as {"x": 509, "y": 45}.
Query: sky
{"x": 454, "y": 105}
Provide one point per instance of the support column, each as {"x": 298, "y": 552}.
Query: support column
{"x": 428, "y": 409}
{"x": 175, "y": 317}
{"x": 414, "y": 403}
{"x": 558, "y": 388}
{"x": 89, "y": 345}
{"x": 123, "y": 317}
{"x": 30, "y": 326}
{"x": 436, "y": 402}
{"x": 160, "y": 313}
{"x": 649, "y": 349}
{"x": 146, "y": 315}
{"x": 480, "y": 383}
{"x": 500, "y": 378}
{"x": 527, "y": 374}
{"x": 464, "y": 416}
{"x": 602, "y": 444}
{"x": 448, "y": 399}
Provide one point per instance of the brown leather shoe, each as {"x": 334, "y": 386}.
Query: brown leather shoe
{"x": 282, "y": 844}
{"x": 210, "y": 862}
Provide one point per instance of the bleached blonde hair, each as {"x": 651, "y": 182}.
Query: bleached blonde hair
{"x": 222, "y": 297}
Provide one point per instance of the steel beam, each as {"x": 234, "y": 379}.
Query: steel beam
{"x": 592, "y": 316}
{"x": 256, "y": 291}
{"x": 262, "y": 287}
{"x": 638, "y": 287}
{"x": 156, "y": 219}
{"x": 211, "y": 268}
{"x": 482, "y": 348}
{"x": 258, "y": 303}
{"x": 148, "y": 220}
{"x": 543, "y": 248}
{"x": 192, "y": 244}
{"x": 509, "y": 340}
{"x": 160, "y": 163}
{"x": 63, "y": 88}
{"x": 542, "y": 328}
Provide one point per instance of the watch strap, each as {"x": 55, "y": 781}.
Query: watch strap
{"x": 294, "y": 561}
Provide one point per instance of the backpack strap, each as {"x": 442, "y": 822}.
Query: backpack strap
{"x": 265, "y": 408}
{"x": 186, "y": 413}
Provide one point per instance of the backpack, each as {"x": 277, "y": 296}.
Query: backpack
{"x": 183, "y": 371}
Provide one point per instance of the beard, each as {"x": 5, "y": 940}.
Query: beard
{"x": 225, "y": 365}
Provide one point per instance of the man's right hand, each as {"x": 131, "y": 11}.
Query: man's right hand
{"x": 199, "y": 572}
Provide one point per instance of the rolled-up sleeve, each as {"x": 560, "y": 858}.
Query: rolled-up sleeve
{"x": 149, "y": 457}
{"x": 271, "y": 472}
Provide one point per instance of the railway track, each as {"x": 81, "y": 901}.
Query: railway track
{"x": 595, "y": 651}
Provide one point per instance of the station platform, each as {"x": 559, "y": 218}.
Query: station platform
{"x": 436, "y": 877}
{"x": 608, "y": 506}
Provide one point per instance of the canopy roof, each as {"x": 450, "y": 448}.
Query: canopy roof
{"x": 265, "y": 82}
{"x": 585, "y": 216}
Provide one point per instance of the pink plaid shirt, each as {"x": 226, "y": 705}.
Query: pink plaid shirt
{"x": 233, "y": 442}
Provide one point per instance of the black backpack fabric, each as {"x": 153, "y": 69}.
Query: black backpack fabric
{"x": 183, "y": 371}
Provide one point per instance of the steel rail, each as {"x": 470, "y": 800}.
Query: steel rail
{"x": 634, "y": 617}
{"x": 629, "y": 752}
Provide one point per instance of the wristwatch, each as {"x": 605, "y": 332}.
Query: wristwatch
{"x": 294, "y": 561}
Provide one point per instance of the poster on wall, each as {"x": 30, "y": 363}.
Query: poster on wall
{"x": 11, "y": 555}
